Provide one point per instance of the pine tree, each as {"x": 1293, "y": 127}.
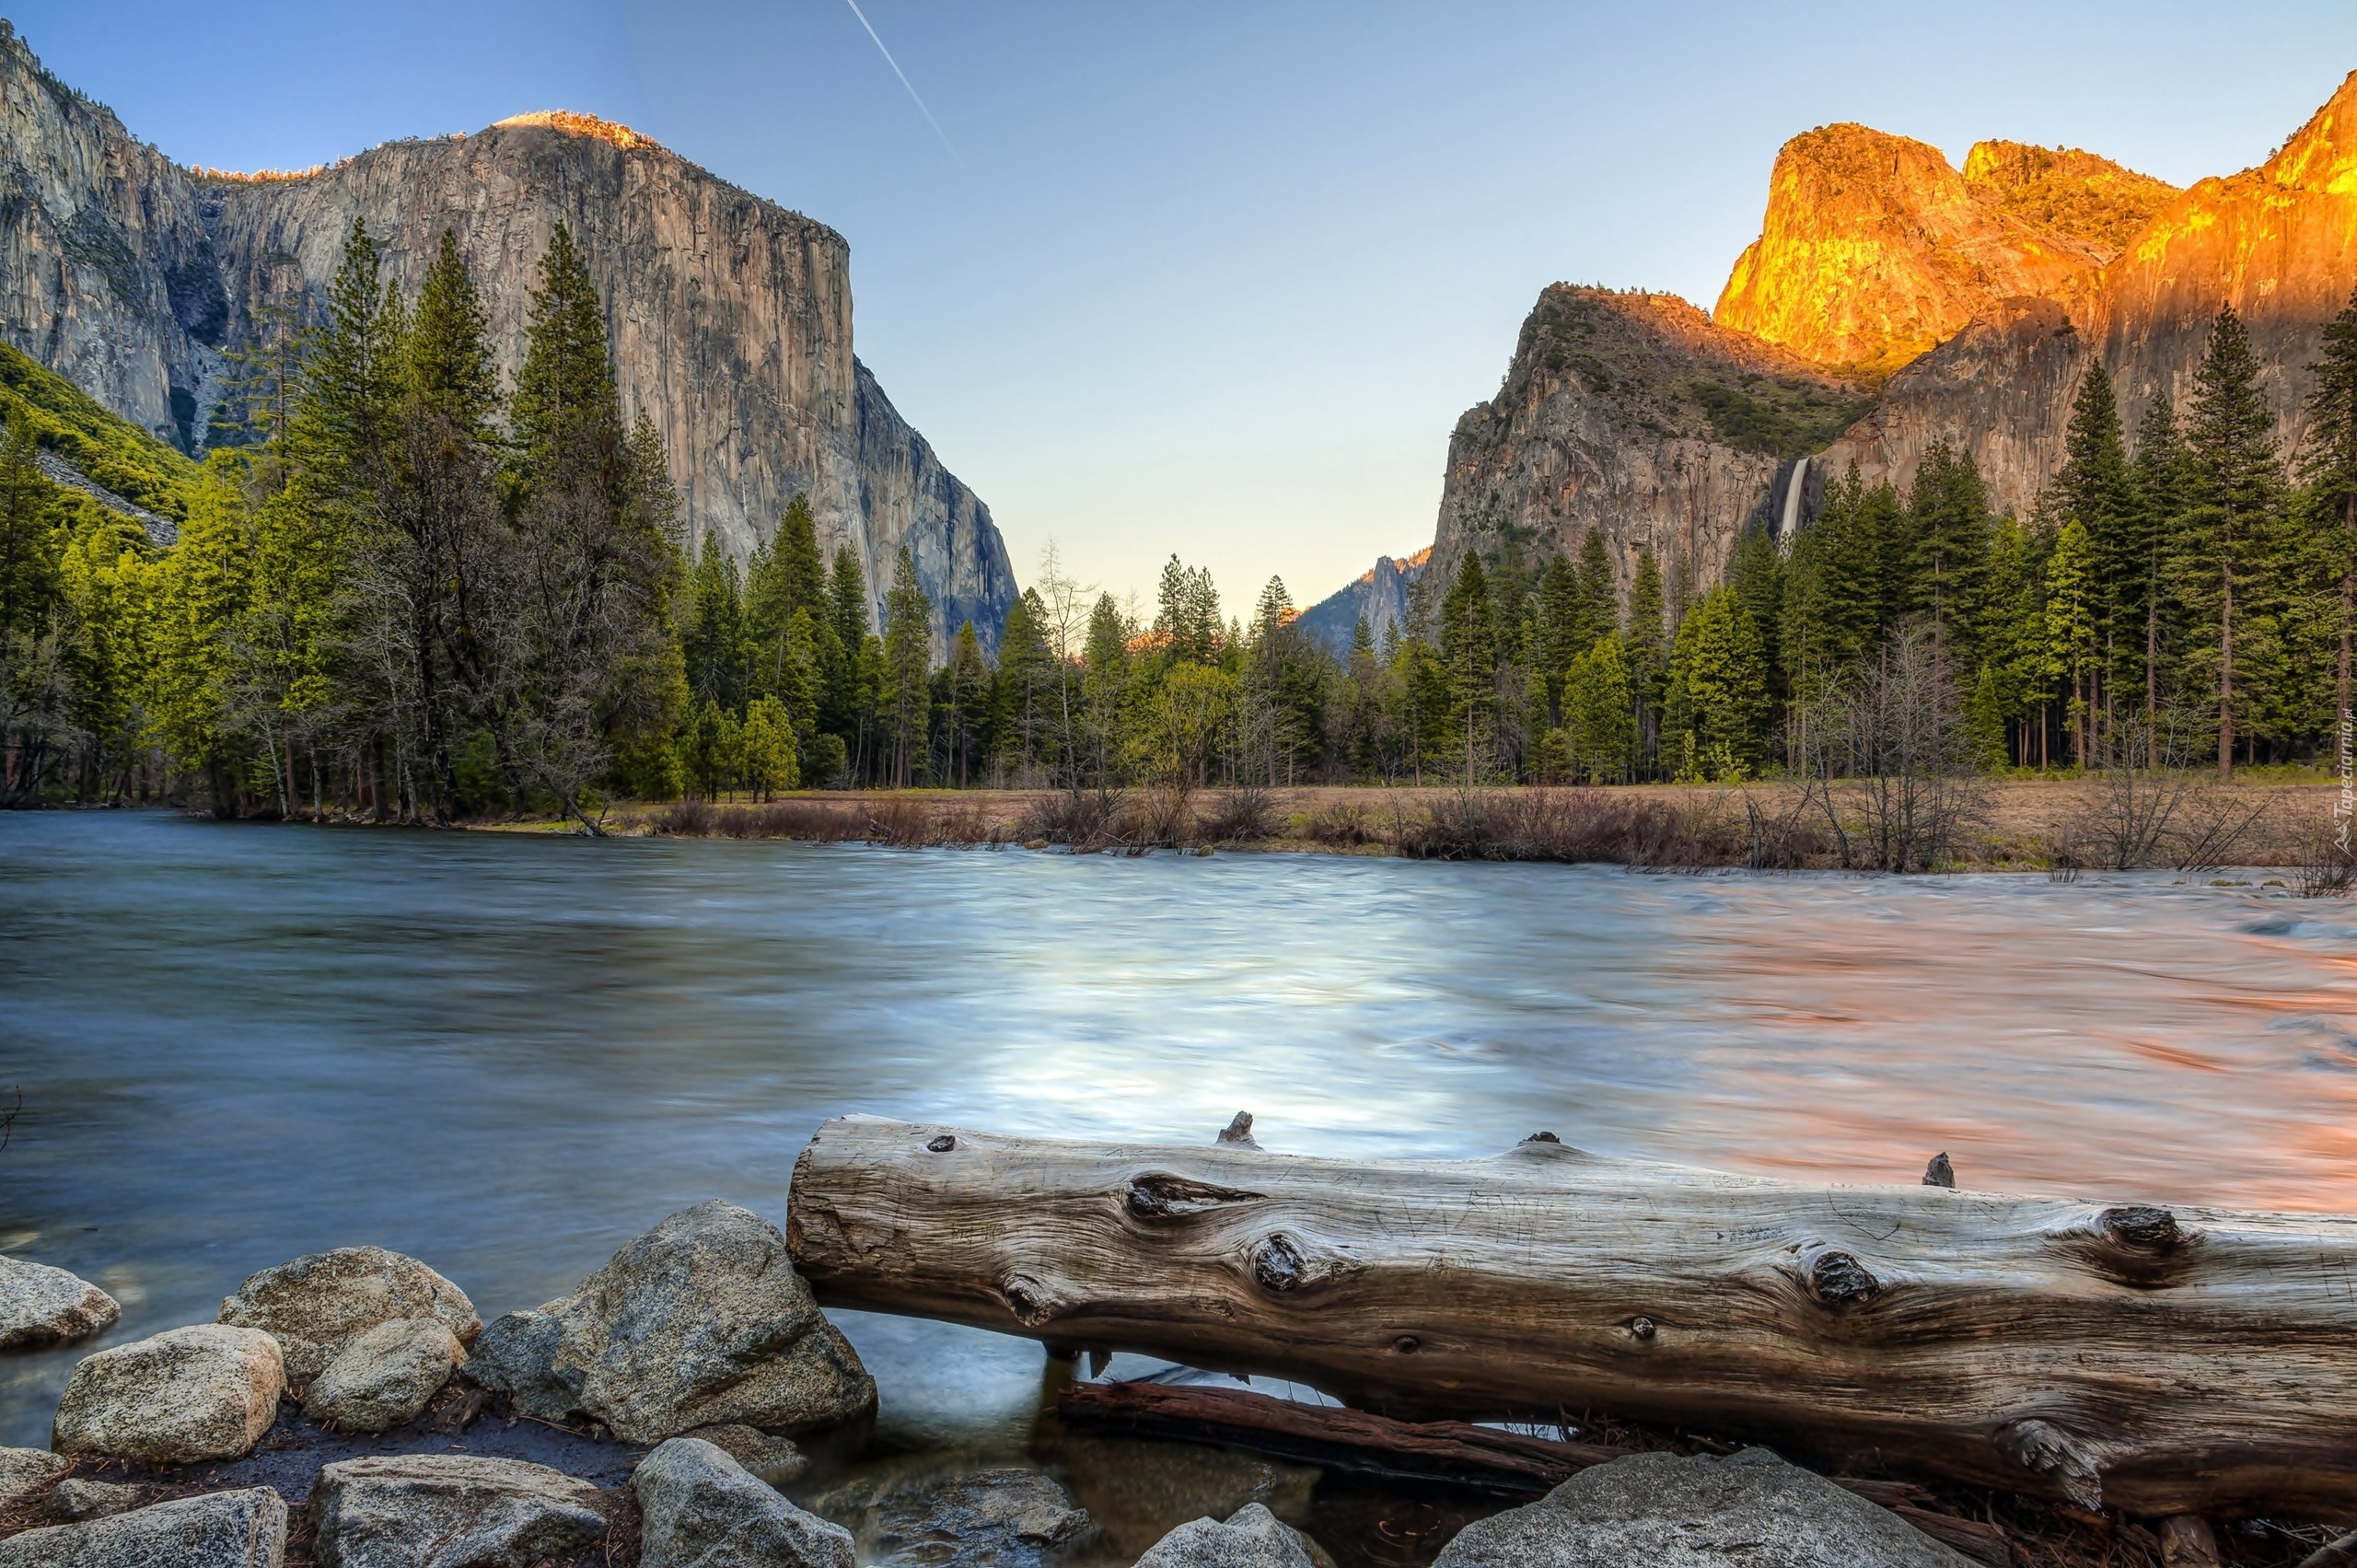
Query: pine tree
{"x": 2097, "y": 486}
{"x": 2234, "y": 484}
{"x": 1646, "y": 639}
{"x": 1717, "y": 705}
{"x": 2159, "y": 474}
{"x": 450, "y": 373}
{"x": 1469, "y": 650}
{"x": 1563, "y": 631}
{"x": 966, "y": 691}
{"x": 1757, "y": 572}
{"x": 2329, "y": 469}
{"x": 842, "y": 629}
{"x": 1599, "y": 600}
{"x": 2073, "y": 621}
{"x": 1948, "y": 529}
{"x": 1600, "y": 716}
{"x": 784, "y": 576}
{"x": 908, "y": 665}
{"x": 565, "y": 391}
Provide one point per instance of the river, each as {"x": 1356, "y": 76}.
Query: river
{"x": 507, "y": 1053}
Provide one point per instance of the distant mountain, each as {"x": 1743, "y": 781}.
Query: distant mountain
{"x": 731, "y": 317}
{"x": 1892, "y": 300}
{"x": 1378, "y": 595}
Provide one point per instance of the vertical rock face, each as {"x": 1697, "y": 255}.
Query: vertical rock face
{"x": 1633, "y": 414}
{"x": 1377, "y": 596}
{"x": 731, "y": 317}
{"x": 1873, "y": 248}
{"x": 1944, "y": 305}
{"x": 2278, "y": 242}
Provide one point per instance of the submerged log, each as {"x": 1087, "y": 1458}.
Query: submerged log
{"x": 1453, "y": 1452}
{"x": 2164, "y": 1362}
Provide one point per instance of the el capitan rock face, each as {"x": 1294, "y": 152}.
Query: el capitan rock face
{"x": 731, "y": 317}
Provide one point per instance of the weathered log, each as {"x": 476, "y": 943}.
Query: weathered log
{"x": 2166, "y": 1362}
{"x": 1453, "y": 1452}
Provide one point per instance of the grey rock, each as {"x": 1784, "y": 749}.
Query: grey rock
{"x": 77, "y": 1500}
{"x": 41, "y": 1305}
{"x": 315, "y": 1304}
{"x": 1662, "y": 1511}
{"x": 1252, "y": 1537}
{"x": 384, "y": 1377}
{"x": 24, "y": 1471}
{"x": 700, "y": 1323}
{"x": 701, "y": 1509}
{"x": 449, "y": 1511}
{"x": 923, "y": 1515}
{"x": 516, "y": 1355}
{"x": 774, "y": 1459}
{"x": 220, "y": 1530}
{"x": 208, "y": 1391}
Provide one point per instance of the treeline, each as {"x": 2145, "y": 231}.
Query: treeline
{"x": 413, "y": 594}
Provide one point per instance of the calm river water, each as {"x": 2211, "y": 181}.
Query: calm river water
{"x": 507, "y": 1054}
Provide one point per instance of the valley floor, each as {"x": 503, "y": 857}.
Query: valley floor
{"x": 2059, "y": 825}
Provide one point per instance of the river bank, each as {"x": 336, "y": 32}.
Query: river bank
{"x": 646, "y": 1414}
{"x": 2115, "y": 822}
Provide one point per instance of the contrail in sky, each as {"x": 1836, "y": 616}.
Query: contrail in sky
{"x": 905, "y": 82}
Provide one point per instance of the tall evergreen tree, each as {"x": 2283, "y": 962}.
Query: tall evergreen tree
{"x": 1947, "y": 548}
{"x": 2330, "y": 468}
{"x": 2098, "y": 489}
{"x": 2161, "y": 490}
{"x": 1469, "y": 650}
{"x": 908, "y": 664}
{"x": 1646, "y": 640}
{"x": 1717, "y": 707}
{"x": 2235, "y": 484}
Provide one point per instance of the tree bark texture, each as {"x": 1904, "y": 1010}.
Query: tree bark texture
{"x": 2188, "y": 1362}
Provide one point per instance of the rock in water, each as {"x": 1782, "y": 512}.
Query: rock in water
{"x": 701, "y": 1509}
{"x": 700, "y": 1323}
{"x": 1252, "y": 1538}
{"x": 774, "y": 1459}
{"x": 384, "y": 1377}
{"x": 24, "y": 1471}
{"x": 921, "y": 1516}
{"x": 220, "y": 1530}
{"x": 432, "y": 1510}
{"x": 1662, "y": 1511}
{"x": 41, "y": 1305}
{"x": 314, "y": 1304}
{"x": 204, "y": 1392}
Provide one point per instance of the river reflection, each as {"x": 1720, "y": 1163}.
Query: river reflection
{"x": 507, "y": 1054}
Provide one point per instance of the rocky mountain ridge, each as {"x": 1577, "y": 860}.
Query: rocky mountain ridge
{"x": 1891, "y": 301}
{"x": 731, "y": 317}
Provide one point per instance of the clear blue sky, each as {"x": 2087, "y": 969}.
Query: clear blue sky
{"x": 1207, "y": 277}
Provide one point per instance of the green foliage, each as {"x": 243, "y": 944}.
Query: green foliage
{"x": 1718, "y": 705}
{"x": 1783, "y": 419}
{"x": 1599, "y": 713}
{"x": 109, "y": 450}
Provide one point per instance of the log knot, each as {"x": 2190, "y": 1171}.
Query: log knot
{"x": 941, "y": 1144}
{"x": 1159, "y": 1195}
{"x": 1238, "y": 1131}
{"x": 1031, "y": 1302}
{"x": 1940, "y": 1172}
{"x": 1835, "y": 1279}
{"x": 2045, "y": 1449}
{"x": 2140, "y": 1228}
{"x": 1278, "y": 1264}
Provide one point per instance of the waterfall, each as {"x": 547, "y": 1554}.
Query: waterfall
{"x": 1792, "y": 517}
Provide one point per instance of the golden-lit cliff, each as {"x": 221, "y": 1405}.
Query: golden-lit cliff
{"x": 1873, "y": 248}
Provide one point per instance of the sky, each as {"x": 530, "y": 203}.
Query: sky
{"x": 1217, "y": 279}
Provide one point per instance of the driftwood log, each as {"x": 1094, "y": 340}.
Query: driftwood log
{"x": 2163, "y": 1361}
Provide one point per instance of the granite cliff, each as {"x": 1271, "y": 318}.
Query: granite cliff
{"x": 1892, "y": 300}
{"x": 731, "y": 317}
{"x": 1378, "y": 595}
